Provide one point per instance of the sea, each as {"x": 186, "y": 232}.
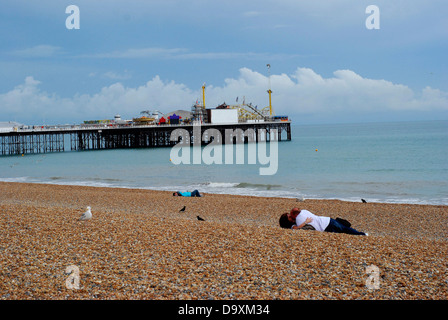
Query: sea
{"x": 390, "y": 162}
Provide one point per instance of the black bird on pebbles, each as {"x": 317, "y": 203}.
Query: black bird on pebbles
{"x": 183, "y": 209}
{"x": 363, "y": 201}
{"x": 199, "y": 218}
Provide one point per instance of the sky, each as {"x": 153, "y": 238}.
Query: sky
{"x": 326, "y": 65}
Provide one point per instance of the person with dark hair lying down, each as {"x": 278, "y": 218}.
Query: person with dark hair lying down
{"x": 298, "y": 219}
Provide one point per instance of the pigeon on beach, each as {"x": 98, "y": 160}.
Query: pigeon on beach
{"x": 86, "y": 215}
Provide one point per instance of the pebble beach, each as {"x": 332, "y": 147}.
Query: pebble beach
{"x": 139, "y": 246}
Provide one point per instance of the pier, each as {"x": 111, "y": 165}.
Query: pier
{"x": 46, "y": 139}
{"x": 224, "y": 124}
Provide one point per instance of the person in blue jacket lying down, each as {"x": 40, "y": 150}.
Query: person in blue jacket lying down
{"x": 194, "y": 193}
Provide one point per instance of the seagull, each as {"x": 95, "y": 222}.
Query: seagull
{"x": 363, "y": 201}
{"x": 199, "y": 218}
{"x": 86, "y": 215}
{"x": 183, "y": 209}
{"x": 301, "y": 199}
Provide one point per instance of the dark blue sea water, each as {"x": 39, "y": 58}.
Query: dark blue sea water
{"x": 403, "y": 162}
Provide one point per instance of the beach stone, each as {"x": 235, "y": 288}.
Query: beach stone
{"x": 138, "y": 246}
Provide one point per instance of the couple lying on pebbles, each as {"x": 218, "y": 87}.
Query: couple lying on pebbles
{"x": 304, "y": 219}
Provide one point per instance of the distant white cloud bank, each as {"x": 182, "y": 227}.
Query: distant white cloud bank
{"x": 304, "y": 95}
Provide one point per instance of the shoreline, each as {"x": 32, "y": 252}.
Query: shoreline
{"x": 423, "y": 202}
{"x": 139, "y": 246}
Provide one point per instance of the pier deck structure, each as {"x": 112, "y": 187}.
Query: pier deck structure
{"x": 45, "y": 139}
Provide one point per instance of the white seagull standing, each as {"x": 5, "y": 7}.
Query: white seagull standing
{"x": 86, "y": 215}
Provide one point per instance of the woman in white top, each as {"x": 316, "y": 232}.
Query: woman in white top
{"x": 297, "y": 219}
